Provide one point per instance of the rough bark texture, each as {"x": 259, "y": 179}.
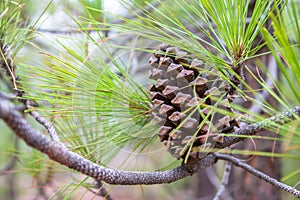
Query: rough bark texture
{"x": 60, "y": 154}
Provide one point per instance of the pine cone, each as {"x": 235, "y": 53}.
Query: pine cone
{"x": 183, "y": 94}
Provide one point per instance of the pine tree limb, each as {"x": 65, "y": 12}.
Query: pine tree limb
{"x": 13, "y": 160}
{"x": 252, "y": 129}
{"x": 257, "y": 173}
{"x": 224, "y": 184}
{"x": 62, "y": 155}
{"x": 49, "y": 127}
{"x": 101, "y": 191}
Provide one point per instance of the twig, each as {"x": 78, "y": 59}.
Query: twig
{"x": 7, "y": 64}
{"x": 254, "y": 128}
{"x": 41, "y": 184}
{"x": 101, "y": 191}
{"x": 11, "y": 182}
{"x": 260, "y": 97}
{"x": 139, "y": 12}
{"x": 48, "y": 126}
{"x": 64, "y": 32}
{"x": 225, "y": 181}
{"x": 11, "y": 178}
{"x": 41, "y": 194}
{"x": 257, "y": 173}
{"x": 213, "y": 178}
{"x": 50, "y": 129}
{"x": 11, "y": 164}
{"x": 297, "y": 184}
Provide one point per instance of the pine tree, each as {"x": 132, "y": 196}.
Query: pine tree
{"x": 222, "y": 85}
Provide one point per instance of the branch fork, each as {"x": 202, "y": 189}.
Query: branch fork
{"x": 59, "y": 153}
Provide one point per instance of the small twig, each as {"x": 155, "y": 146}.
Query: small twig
{"x": 41, "y": 194}
{"x": 9, "y": 67}
{"x": 11, "y": 182}
{"x": 213, "y": 178}
{"x": 48, "y": 126}
{"x": 41, "y": 184}
{"x": 9, "y": 166}
{"x": 225, "y": 181}
{"x": 54, "y": 136}
{"x": 64, "y": 32}
{"x": 101, "y": 191}
{"x": 260, "y": 97}
{"x": 11, "y": 178}
{"x": 139, "y": 12}
{"x": 297, "y": 184}
{"x": 50, "y": 129}
{"x": 7, "y": 97}
{"x": 252, "y": 129}
{"x": 13, "y": 161}
{"x": 257, "y": 173}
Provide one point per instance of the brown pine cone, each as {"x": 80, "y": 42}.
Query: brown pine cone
{"x": 183, "y": 96}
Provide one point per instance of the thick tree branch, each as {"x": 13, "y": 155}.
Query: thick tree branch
{"x": 62, "y": 155}
{"x": 257, "y": 173}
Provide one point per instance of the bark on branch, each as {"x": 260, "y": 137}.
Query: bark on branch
{"x": 62, "y": 155}
{"x": 259, "y": 174}
{"x": 252, "y": 129}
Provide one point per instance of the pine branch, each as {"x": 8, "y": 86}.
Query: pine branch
{"x": 259, "y": 174}
{"x": 62, "y": 155}
{"x": 101, "y": 191}
{"x": 261, "y": 97}
{"x": 42, "y": 184}
{"x": 13, "y": 160}
{"x": 252, "y": 129}
{"x": 225, "y": 182}
{"x": 19, "y": 93}
{"x": 140, "y": 12}
{"x": 50, "y": 129}
{"x": 297, "y": 184}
